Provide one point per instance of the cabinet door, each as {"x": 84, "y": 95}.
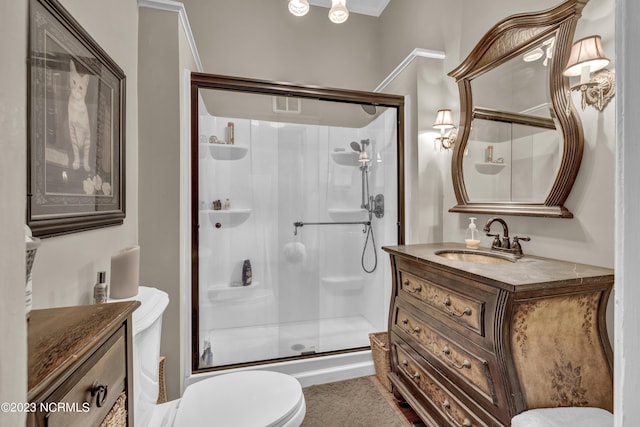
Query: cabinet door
{"x": 86, "y": 397}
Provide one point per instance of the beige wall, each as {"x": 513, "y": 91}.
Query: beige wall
{"x": 261, "y": 39}
{"x": 66, "y": 267}
{"x": 164, "y": 56}
{"x": 588, "y": 237}
{"x": 627, "y": 370}
{"x": 13, "y": 80}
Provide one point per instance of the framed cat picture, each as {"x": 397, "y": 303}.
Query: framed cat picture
{"x": 76, "y": 142}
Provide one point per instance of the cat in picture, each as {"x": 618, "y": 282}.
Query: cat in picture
{"x": 79, "y": 118}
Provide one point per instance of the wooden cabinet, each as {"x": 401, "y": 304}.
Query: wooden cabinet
{"x": 80, "y": 361}
{"x": 475, "y": 344}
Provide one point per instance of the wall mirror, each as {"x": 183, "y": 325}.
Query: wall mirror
{"x": 520, "y": 139}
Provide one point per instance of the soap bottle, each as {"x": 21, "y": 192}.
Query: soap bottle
{"x": 488, "y": 154}
{"x": 472, "y": 238}
{"x": 230, "y": 133}
{"x": 100, "y": 289}
{"x": 246, "y": 272}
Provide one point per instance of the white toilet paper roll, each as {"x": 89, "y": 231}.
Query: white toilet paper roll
{"x": 125, "y": 273}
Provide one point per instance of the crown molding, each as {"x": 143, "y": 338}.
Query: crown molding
{"x": 416, "y": 53}
{"x": 174, "y": 6}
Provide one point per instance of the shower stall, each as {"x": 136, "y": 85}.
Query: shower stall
{"x": 294, "y": 191}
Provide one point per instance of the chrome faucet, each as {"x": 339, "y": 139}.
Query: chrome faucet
{"x": 505, "y": 245}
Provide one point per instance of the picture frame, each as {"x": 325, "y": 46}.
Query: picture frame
{"x": 76, "y": 127}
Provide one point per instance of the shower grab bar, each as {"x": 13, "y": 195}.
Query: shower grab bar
{"x": 298, "y": 224}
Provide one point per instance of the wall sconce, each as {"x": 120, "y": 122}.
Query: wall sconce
{"x": 443, "y": 122}
{"x": 587, "y": 57}
{"x": 298, "y": 7}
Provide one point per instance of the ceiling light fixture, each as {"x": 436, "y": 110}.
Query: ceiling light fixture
{"x": 338, "y": 12}
{"x": 298, "y": 7}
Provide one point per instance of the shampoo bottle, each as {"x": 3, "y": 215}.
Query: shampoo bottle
{"x": 472, "y": 238}
{"x": 246, "y": 272}
{"x": 100, "y": 289}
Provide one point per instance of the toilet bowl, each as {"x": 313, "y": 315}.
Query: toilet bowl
{"x": 238, "y": 399}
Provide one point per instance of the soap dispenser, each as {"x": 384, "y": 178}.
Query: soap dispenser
{"x": 472, "y": 238}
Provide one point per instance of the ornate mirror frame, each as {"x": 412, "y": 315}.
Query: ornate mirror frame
{"x": 507, "y": 39}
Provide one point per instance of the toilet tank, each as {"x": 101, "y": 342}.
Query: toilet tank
{"x": 147, "y": 327}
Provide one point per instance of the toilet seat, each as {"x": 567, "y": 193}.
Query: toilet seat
{"x": 243, "y": 399}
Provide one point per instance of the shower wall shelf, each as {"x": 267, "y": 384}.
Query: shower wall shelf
{"x": 490, "y": 168}
{"x": 226, "y": 151}
{"x": 228, "y": 217}
{"x": 345, "y": 158}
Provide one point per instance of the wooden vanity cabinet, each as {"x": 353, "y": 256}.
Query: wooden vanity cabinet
{"x": 80, "y": 365}
{"x": 474, "y": 345}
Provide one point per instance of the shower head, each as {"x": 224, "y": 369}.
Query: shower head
{"x": 355, "y": 146}
{"x": 369, "y": 108}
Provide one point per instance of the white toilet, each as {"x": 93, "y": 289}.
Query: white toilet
{"x": 247, "y": 398}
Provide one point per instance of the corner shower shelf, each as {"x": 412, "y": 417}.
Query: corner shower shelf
{"x": 228, "y": 217}
{"x": 345, "y": 158}
{"x": 490, "y": 168}
{"x": 226, "y": 151}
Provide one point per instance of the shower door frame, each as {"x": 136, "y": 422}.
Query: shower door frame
{"x": 265, "y": 87}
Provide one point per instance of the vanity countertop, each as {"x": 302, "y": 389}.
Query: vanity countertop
{"x": 527, "y": 273}
{"x": 59, "y": 337}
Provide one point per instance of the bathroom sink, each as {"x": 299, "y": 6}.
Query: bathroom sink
{"x": 476, "y": 257}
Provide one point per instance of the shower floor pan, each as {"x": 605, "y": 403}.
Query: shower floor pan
{"x": 268, "y": 342}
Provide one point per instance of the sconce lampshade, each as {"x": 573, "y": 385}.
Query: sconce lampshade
{"x": 586, "y": 52}
{"x": 443, "y": 120}
{"x": 298, "y": 7}
{"x": 338, "y": 12}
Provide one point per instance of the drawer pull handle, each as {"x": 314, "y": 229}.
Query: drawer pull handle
{"x": 409, "y": 289}
{"x": 465, "y": 363}
{"x": 447, "y": 406}
{"x": 415, "y": 376}
{"x": 415, "y": 330}
{"x": 100, "y": 392}
{"x": 447, "y": 304}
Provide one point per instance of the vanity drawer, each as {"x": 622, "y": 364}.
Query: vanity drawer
{"x": 90, "y": 392}
{"x": 462, "y": 303}
{"x": 462, "y": 365}
{"x": 435, "y": 397}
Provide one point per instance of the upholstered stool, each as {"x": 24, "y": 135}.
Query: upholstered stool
{"x": 563, "y": 417}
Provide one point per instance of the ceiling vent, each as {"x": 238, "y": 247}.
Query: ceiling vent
{"x": 286, "y": 104}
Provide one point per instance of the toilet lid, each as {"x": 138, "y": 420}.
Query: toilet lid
{"x": 241, "y": 399}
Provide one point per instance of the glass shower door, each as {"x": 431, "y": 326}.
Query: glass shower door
{"x": 294, "y": 203}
